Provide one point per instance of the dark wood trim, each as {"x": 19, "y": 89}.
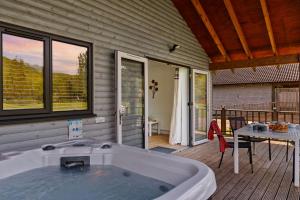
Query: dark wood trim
{"x": 90, "y": 79}
{"x": 256, "y": 62}
{"x": 47, "y": 75}
{"x": 23, "y": 115}
{"x": 259, "y": 53}
{"x": 43, "y": 118}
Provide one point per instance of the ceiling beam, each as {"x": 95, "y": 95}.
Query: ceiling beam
{"x": 261, "y": 53}
{"x": 238, "y": 28}
{"x": 264, "y": 7}
{"x": 255, "y": 62}
{"x": 210, "y": 28}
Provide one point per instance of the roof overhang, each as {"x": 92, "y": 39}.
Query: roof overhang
{"x": 236, "y": 34}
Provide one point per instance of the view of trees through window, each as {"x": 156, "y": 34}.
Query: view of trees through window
{"x": 69, "y": 76}
{"x": 23, "y": 74}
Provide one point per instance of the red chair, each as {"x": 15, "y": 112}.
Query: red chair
{"x": 223, "y": 144}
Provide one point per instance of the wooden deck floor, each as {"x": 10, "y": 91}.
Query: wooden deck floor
{"x": 162, "y": 140}
{"x": 270, "y": 180}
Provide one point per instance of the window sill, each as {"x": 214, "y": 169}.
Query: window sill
{"x": 43, "y": 118}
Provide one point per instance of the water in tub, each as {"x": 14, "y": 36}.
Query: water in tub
{"x": 88, "y": 183}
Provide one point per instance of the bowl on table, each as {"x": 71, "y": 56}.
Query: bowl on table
{"x": 279, "y": 127}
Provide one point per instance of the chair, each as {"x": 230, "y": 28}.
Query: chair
{"x": 239, "y": 122}
{"x": 223, "y": 144}
{"x": 153, "y": 123}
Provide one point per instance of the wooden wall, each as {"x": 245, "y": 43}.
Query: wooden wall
{"x": 254, "y": 97}
{"x": 141, "y": 27}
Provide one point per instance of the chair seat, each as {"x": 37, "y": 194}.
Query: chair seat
{"x": 241, "y": 144}
{"x": 252, "y": 139}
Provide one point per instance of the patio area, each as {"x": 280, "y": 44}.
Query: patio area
{"x": 270, "y": 180}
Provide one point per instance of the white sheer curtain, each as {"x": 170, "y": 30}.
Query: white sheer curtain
{"x": 179, "y": 122}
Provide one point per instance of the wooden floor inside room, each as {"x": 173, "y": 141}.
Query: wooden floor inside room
{"x": 270, "y": 180}
{"x": 162, "y": 140}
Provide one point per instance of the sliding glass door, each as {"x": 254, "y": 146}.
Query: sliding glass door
{"x": 132, "y": 100}
{"x": 201, "y": 105}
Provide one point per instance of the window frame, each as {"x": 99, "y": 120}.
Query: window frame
{"x": 42, "y": 114}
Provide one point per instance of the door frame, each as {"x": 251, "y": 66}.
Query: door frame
{"x": 118, "y": 59}
{"x": 209, "y": 104}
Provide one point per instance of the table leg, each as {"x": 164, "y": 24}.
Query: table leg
{"x": 158, "y": 129}
{"x": 296, "y": 174}
{"x": 236, "y": 154}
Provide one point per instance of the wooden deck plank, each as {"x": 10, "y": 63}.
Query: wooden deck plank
{"x": 283, "y": 190}
{"x": 248, "y": 190}
{"x": 258, "y": 174}
{"x": 234, "y": 182}
{"x": 273, "y": 187}
{"x": 294, "y": 193}
{"x": 229, "y": 171}
{"x": 263, "y": 185}
{"x": 271, "y": 179}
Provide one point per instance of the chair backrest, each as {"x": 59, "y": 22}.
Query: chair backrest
{"x": 215, "y": 129}
{"x": 236, "y": 123}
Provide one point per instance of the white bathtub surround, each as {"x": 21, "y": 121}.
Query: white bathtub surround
{"x": 180, "y": 115}
{"x": 192, "y": 179}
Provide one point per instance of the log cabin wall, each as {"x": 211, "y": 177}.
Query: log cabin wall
{"x": 139, "y": 27}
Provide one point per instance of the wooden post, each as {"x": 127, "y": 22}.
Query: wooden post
{"x": 274, "y": 104}
{"x": 223, "y": 120}
{"x": 274, "y": 115}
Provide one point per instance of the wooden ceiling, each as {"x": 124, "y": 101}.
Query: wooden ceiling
{"x": 245, "y": 33}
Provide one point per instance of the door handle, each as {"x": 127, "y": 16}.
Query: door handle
{"x": 122, "y": 110}
{"x": 120, "y": 118}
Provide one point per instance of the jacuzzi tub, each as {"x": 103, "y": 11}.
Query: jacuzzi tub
{"x": 191, "y": 179}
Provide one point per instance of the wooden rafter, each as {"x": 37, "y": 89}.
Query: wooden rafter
{"x": 264, "y": 7}
{"x": 274, "y": 60}
{"x": 281, "y": 51}
{"x": 210, "y": 28}
{"x": 238, "y": 28}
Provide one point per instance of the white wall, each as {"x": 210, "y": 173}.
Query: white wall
{"x": 160, "y": 108}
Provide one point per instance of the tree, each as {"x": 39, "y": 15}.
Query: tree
{"x": 82, "y": 74}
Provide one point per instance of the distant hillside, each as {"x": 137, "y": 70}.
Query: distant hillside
{"x": 24, "y": 82}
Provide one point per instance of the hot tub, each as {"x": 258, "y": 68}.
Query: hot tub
{"x": 103, "y": 172}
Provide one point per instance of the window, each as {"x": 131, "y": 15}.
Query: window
{"x": 23, "y": 63}
{"x": 43, "y": 75}
{"x": 69, "y": 75}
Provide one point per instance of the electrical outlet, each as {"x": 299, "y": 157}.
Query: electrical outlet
{"x": 75, "y": 129}
{"x": 100, "y": 120}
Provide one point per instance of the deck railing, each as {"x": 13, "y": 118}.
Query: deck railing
{"x": 221, "y": 115}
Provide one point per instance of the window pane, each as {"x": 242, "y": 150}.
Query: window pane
{"x": 69, "y": 77}
{"x": 22, "y": 73}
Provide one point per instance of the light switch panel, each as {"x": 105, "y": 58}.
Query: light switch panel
{"x": 75, "y": 129}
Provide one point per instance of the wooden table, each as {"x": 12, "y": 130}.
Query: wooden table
{"x": 292, "y": 135}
